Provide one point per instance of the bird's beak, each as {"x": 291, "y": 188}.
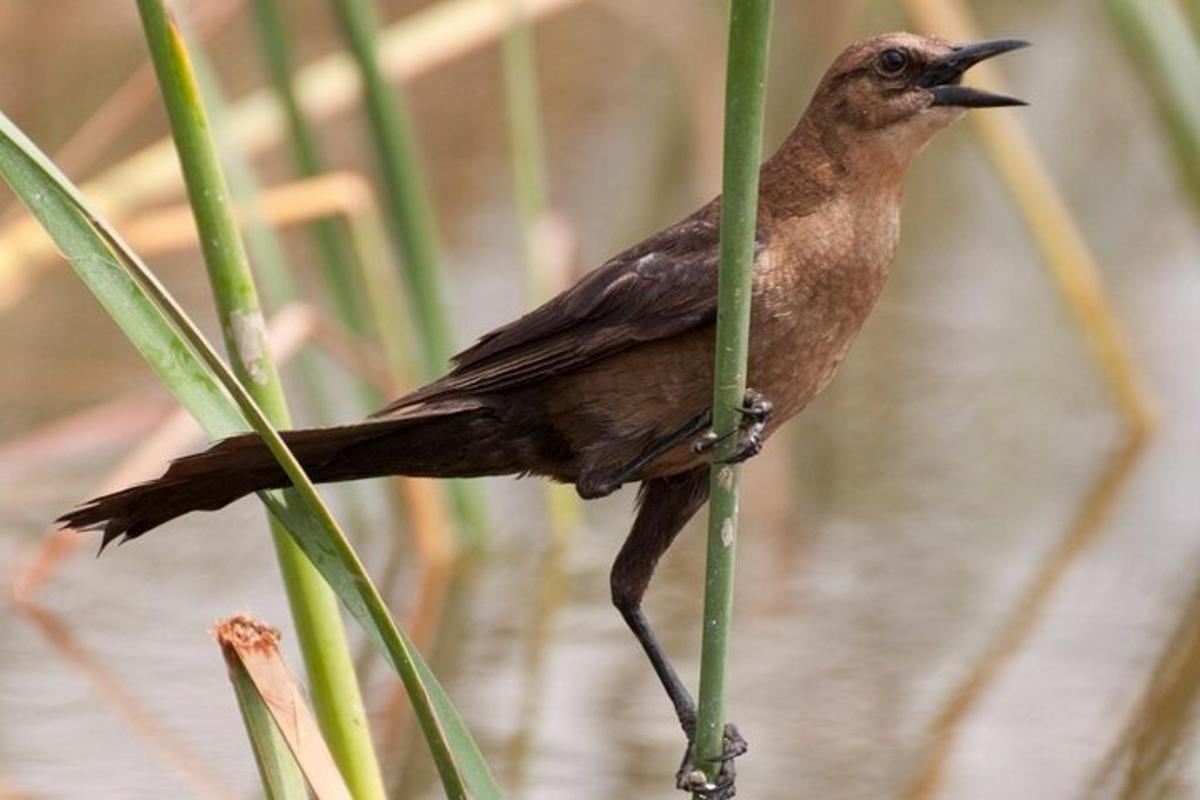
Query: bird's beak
{"x": 943, "y": 78}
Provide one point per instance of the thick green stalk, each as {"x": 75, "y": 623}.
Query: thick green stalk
{"x": 314, "y": 607}
{"x": 411, "y": 222}
{"x": 338, "y": 269}
{"x": 745, "y": 88}
{"x": 272, "y": 270}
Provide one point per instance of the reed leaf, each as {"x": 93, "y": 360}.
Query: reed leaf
{"x": 185, "y": 362}
{"x": 745, "y": 90}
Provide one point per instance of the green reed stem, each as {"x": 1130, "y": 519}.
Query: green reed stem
{"x": 334, "y": 688}
{"x": 745, "y": 90}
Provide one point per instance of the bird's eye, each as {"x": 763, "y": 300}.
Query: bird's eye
{"x": 892, "y": 62}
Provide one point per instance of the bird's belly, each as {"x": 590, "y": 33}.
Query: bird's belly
{"x": 611, "y": 412}
{"x": 798, "y": 363}
{"x": 614, "y": 411}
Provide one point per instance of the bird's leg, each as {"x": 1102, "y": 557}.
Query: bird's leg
{"x": 591, "y": 488}
{"x": 665, "y": 506}
{"x": 756, "y": 412}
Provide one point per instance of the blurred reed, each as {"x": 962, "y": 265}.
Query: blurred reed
{"x": 348, "y": 198}
{"x": 545, "y": 272}
{"x": 745, "y": 93}
{"x": 277, "y": 60}
{"x": 1167, "y": 53}
{"x": 410, "y": 211}
{"x": 411, "y": 223}
{"x": 1151, "y": 755}
{"x": 420, "y": 42}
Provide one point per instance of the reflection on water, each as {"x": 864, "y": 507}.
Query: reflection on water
{"x": 888, "y": 536}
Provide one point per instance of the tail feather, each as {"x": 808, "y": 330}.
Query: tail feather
{"x": 460, "y": 444}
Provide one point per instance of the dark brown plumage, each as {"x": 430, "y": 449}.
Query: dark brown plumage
{"x": 610, "y": 381}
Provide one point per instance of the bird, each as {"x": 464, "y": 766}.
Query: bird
{"x": 610, "y": 382}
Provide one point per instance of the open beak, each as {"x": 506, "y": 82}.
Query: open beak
{"x": 943, "y": 78}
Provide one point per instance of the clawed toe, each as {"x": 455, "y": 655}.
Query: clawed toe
{"x": 756, "y": 412}
{"x": 756, "y": 407}
{"x": 690, "y": 779}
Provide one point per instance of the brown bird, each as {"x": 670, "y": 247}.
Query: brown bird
{"x": 610, "y": 382}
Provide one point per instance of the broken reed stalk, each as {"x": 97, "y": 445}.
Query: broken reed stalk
{"x": 277, "y": 768}
{"x": 745, "y": 90}
{"x": 411, "y": 223}
{"x": 314, "y": 607}
{"x": 288, "y": 747}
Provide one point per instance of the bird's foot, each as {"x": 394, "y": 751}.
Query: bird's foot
{"x": 690, "y": 779}
{"x": 756, "y": 412}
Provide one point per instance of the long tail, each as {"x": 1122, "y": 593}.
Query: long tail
{"x": 464, "y": 444}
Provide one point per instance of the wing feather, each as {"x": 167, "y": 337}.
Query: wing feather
{"x": 663, "y": 287}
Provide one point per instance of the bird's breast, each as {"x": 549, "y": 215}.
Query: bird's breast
{"x": 815, "y": 285}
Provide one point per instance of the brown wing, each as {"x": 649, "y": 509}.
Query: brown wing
{"x": 665, "y": 286}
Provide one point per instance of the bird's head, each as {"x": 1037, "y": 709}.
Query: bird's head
{"x": 897, "y": 89}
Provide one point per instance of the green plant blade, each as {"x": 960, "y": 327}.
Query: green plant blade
{"x": 190, "y": 368}
{"x": 59, "y": 208}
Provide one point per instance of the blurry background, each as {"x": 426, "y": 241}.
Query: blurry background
{"x": 960, "y": 576}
